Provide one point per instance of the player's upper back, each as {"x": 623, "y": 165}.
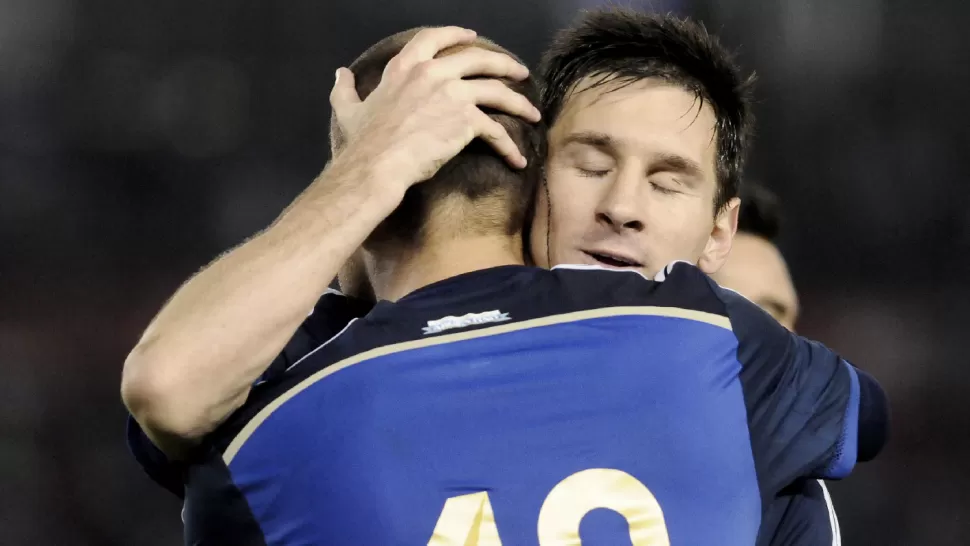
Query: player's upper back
{"x": 529, "y": 406}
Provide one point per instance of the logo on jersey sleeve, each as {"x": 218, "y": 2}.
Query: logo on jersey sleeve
{"x": 464, "y": 321}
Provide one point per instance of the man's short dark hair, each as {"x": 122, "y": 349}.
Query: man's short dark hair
{"x": 760, "y": 212}
{"x": 476, "y": 173}
{"x": 626, "y": 46}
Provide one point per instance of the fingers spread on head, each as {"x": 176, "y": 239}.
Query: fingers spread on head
{"x": 427, "y": 43}
{"x": 473, "y": 61}
{"x": 497, "y": 95}
{"x": 498, "y": 138}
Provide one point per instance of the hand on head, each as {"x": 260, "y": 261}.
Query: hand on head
{"x": 424, "y": 112}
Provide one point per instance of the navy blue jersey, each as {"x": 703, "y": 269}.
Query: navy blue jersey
{"x": 522, "y": 406}
{"x": 800, "y": 515}
{"x": 332, "y": 313}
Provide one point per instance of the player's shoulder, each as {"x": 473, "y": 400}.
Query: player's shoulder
{"x": 331, "y": 315}
{"x": 678, "y": 285}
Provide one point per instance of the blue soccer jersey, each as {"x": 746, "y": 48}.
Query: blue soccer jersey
{"x": 522, "y": 406}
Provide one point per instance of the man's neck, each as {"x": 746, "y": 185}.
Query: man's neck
{"x": 397, "y": 274}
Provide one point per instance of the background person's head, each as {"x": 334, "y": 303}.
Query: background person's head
{"x": 756, "y": 269}
{"x": 475, "y": 194}
{"x": 650, "y": 124}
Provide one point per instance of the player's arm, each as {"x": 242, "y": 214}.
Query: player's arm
{"x": 331, "y": 316}
{"x": 196, "y": 360}
{"x": 199, "y": 357}
{"x": 815, "y": 414}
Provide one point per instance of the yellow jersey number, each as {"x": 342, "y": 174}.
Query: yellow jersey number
{"x": 467, "y": 520}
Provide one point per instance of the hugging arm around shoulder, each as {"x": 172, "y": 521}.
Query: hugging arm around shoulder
{"x": 818, "y": 413}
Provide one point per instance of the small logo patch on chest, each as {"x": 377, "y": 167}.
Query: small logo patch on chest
{"x": 464, "y": 321}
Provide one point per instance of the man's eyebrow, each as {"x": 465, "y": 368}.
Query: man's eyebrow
{"x": 679, "y": 164}
{"x": 600, "y": 141}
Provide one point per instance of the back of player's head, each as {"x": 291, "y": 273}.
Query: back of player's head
{"x": 760, "y": 213}
{"x": 502, "y": 196}
{"x": 624, "y": 45}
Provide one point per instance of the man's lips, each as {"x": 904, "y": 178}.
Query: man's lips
{"x": 612, "y": 259}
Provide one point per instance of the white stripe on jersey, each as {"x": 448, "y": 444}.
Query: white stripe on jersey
{"x": 659, "y": 277}
{"x": 324, "y": 344}
{"x": 833, "y": 518}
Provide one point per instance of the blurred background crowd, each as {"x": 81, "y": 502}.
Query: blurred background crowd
{"x": 139, "y": 139}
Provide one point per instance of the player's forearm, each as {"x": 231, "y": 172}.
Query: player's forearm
{"x": 200, "y": 355}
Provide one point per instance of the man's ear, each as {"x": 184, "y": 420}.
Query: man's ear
{"x": 722, "y": 237}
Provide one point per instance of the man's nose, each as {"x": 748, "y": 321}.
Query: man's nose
{"x": 619, "y": 208}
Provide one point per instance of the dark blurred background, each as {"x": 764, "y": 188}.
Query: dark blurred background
{"x": 139, "y": 139}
